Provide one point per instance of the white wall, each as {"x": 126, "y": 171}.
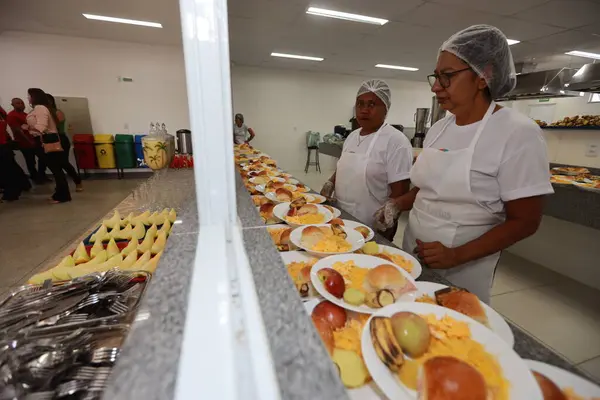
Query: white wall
{"x": 68, "y": 66}
{"x": 281, "y": 105}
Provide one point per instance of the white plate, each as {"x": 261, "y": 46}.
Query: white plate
{"x": 318, "y": 199}
{"x": 281, "y": 210}
{"x": 262, "y": 188}
{"x": 289, "y": 257}
{"x": 354, "y": 238}
{"x": 416, "y": 270}
{"x": 336, "y": 212}
{"x": 586, "y": 188}
{"x": 570, "y": 173}
{"x": 293, "y": 181}
{"x": 362, "y": 261}
{"x": 269, "y": 178}
{"x": 565, "y": 379}
{"x": 273, "y": 197}
{"x": 522, "y": 383}
{"x": 497, "y": 323}
{"x": 353, "y": 224}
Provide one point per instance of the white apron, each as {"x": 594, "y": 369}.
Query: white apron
{"x": 351, "y": 186}
{"x": 446, "y": 211}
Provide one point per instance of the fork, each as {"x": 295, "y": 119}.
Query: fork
{"x": 71, "y": 387}
{"x": 117, "y": 307}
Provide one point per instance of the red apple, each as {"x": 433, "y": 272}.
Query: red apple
{"x": 335, "y": 315}
{"x": 325, "y": 331}
{"x": 333, "y": 282}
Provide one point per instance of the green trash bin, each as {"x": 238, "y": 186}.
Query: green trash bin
{"x": 125, "y": 149}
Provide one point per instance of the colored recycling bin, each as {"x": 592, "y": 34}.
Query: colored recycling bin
{"x": 105, "y": 150}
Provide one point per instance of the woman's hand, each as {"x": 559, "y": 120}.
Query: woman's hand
{"x": 387, "y": 215}
{"x": 328, "y": 189}
{"x": 436, "y": 255}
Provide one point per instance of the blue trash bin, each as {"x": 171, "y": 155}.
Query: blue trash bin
{"x": 139, "y": 151}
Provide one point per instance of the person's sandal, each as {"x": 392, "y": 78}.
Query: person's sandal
{"x": 79, "y": 188}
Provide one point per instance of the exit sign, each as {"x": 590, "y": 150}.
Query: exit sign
{"x": 543, "y": 100}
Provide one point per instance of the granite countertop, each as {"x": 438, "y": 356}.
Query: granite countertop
{"x": 147, "y": 368}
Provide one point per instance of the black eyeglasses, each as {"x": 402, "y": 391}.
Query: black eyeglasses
{"x": 444, "y": 78}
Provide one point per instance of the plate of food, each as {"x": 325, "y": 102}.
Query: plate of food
{"x": 325, "y": 240}
{"x": 362, "y": 283}
{"x": 265, "y": 179}
{"x": 280, "y": 233}
{"x": 317, "y": 199}
{"x": 301, "y": 187}
{"x": 461, "y": 300}
{"x": 299, "y": 212}
{"x": 336, "y": 213}
{"x": 283, "y": 195}
{"x": 298, "y": 264}
{"x": 341, "y": 331}
{"x": 272, "y": 186}
{"x": 418, "y": 351}
{"x": 558, "y": 384}
{"x": 590, "y": 187}
{"x": 259, "y": 200}
{"x": 366, "y": 232}
{"x": 267, "y": 214}
{"x": 562, "y": 179}
{"x": 569, "y": 170}
{"x": 401, "y": 258}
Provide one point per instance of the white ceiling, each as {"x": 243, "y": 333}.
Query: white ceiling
{"x": 547, "y": 28}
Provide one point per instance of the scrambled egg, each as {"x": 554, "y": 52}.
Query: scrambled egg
{"x": 426, "y": 299}
{"x": 400, "y": 261}
{"x": 294, "y": 268}
{"x": 453, "y": 338}
{"x": 308, "y": 219}
{"x": 353, "y": 275}
{"x": 276, "y": 234}
{"x": 332, "y": 244}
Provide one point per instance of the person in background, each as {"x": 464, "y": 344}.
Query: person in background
{"x": 66, "y": 144}
{"x": 26, "y": 143}
{"x": 12, "y": 178}
{"x": 241, "y": 131}
{"x": 483, "y": 173}
{"x": 42, "y": 121}
{"x": 376, "y": 159}
{"x": 3, "y": 113}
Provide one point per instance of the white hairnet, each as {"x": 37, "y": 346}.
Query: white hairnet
{"x": 379, "y": 88}
{"x": 485, "y": 49}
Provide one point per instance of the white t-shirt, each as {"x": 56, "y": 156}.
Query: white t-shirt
{"x": 392, "y": 152}
{"x": 239, "y": 133}
{"x": 510, "y": 161}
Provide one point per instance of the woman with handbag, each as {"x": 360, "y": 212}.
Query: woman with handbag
{"x": 43, "y": 122}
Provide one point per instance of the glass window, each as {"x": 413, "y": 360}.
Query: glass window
{"x": 594, "y": 98}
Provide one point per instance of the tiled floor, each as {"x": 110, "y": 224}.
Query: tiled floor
{"x": 32, "y": 230}
{"x": 562, "y": 313}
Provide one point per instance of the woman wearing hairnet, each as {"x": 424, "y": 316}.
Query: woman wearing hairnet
{"x": 240, "y": 131}
{"x": 480, "y": 180}
{"x": 376, "y": 159}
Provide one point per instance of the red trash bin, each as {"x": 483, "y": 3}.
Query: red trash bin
{"x": 85, "y": 151}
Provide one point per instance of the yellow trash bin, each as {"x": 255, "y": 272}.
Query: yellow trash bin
{"x": 105, "y": 150}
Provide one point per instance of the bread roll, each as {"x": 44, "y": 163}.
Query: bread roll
{"x": 311, "y": 235}
{"x": 388, "y": 277}
{"x": 448, "y": 378}
{"x": 337, "y": 221}
{"x": 308, "y": 209}
{"x": 283, "y": 195}
{"x": 549, "y": 389}
{"x": 462, "y": 301}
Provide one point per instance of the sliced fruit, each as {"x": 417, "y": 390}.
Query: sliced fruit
{"x": 129, "y": 260}
{"x": 354, "y": 296}
{"x": 39, "y": 279}
{"x": 68, "y": 261}
{"x": 172, "y": 216}
{"x": 96, "y": 248}
{"x": 112, "y": 249}
{"x": 166, "y": 228}
{"x": 386, "y": 345}
{"x": 139, "y": 232}
{"x": 370, "y": 248}
{"x": 127, "y": 220}
{"x": 113, "y": 221}
{"x": 115, "y": 232}
{"x": 146, "y": 244}
{"x": 353, "y": 371}
{"x": 100, "y": 258}
{"x": 152, "y": 231}
{"x": 81, "y": 255}
{"x": 130, "y": 248}
{"x": 159, "y": 243}
{"x": 141, "y": 261}
{"x": 411, "y": 332}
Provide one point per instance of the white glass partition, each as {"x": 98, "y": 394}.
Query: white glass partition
{"x": 224, "y": 339}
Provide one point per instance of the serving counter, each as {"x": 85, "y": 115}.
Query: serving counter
{"x": 148, "y": 366}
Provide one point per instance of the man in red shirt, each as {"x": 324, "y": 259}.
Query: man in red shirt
{"x": 27, "y": 144}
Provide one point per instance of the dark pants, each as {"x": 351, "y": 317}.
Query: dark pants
{"x": 29, "y": 156}
{"x": 41, "y": 163}
{"x": 12, "y": 177}
{"x": 56, "y": 163}
{"x": 67, "y": 166}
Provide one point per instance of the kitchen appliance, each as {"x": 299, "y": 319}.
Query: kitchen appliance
{"x": 586, "y": 79}
{"x": 421, "y": 117}
{"x": 543, "y": 84}
{"x": 184, "y": 141}
{"x": 437, "y": 112}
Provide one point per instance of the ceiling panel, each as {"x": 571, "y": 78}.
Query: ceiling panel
{"x": 563, "y": 13}
{"x": 446, "y": 18}
{"x": 521, "y": 30}
{"x": 566, "y": 41}
{"x": 505, "y": 7}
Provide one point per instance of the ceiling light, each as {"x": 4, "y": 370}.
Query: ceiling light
{"x": 123, "y": 20}
{"x": 585, "y": 54}
{"x": 397, "y": 67}
{"x": 512, "y": 41}
{"x": 283, "y": 55}
{"x": 346, "y": 16}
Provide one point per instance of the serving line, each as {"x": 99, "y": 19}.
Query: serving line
{"x": 526, "y": 345}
